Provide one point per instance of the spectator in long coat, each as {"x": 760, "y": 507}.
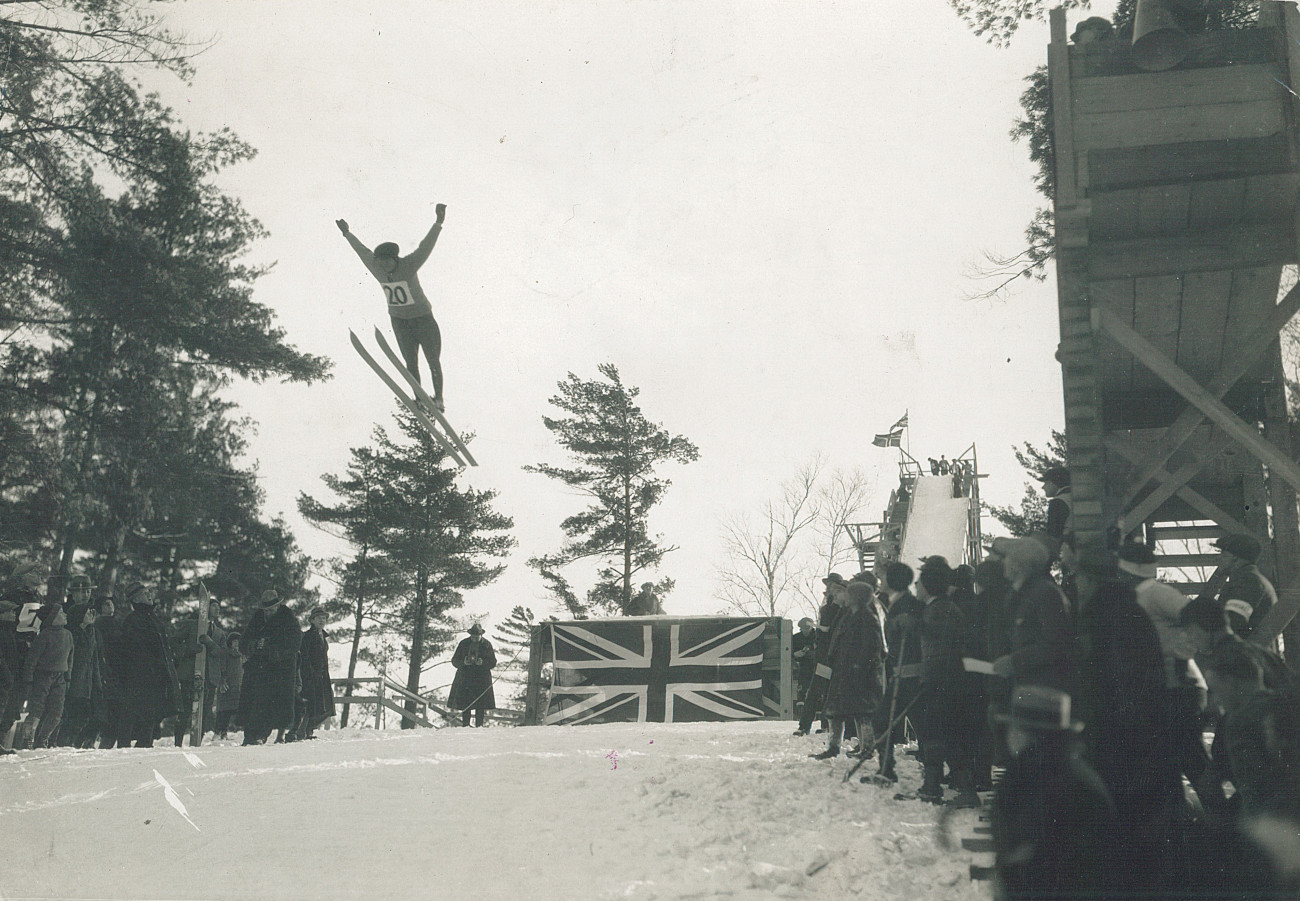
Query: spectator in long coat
{"x": 903, "y": 659}
{"x": 857, "y": 662}
{"x": 108, "y": 628}
{"x": 1043, "y": 647}
{"x": 471, "y": 690}
{"x": 267, "y": 697}
{"x": 803, "y": 651}
{"x": 1053, "y": 822}
{"x": 85, "y": 713}
{"x": 815, "y": 699}
{"x": 144, "y": 666}
{"x": 229, "y": 663}
{"x": 314, "y": 667}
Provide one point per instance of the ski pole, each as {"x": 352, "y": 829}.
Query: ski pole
{"x": 888, "y": 732}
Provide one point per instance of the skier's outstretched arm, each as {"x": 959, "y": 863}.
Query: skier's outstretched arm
{"x": 421, "y": 253}
{"x": 362, "y": 250}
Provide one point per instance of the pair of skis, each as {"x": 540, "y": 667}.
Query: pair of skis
{"x": 419, "y": 403}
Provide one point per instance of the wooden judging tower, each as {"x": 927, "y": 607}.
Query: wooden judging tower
{"x": 1177, "y": 195}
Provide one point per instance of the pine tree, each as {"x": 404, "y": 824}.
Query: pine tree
{"x": 513, "y": 641}
{"x": 615, "y": 451}
{"x": 1032, "y": 513}
{"x": 402, "y": 503}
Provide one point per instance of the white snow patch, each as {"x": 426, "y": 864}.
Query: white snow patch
{"x": 690, "y": 811}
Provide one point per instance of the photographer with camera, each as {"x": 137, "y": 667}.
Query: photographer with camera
{"x": 471, "y": 690}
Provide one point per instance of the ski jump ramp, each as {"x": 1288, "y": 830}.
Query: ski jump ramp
{"x": 936, "y": 523}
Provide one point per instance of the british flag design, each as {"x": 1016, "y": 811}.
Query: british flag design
{"x": 656, "y": 670}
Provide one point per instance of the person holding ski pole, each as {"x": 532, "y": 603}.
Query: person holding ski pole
{"x": 409, "y": 309}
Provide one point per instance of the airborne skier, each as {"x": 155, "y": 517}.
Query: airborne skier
{"x": 409, "y": 309}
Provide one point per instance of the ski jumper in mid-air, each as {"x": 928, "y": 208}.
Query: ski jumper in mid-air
{"x": 410, "y": 311}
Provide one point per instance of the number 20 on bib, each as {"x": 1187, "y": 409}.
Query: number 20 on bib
{"x": 398, "y": 294}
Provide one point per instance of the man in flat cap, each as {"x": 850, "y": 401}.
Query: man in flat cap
{"x": 1248, "y": 595}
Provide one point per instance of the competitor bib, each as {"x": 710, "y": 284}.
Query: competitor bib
{"x": 398, "y": 294}
{"x": 27, "y": 621}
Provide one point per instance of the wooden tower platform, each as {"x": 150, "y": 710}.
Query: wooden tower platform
{"x": 1177, "y": 195}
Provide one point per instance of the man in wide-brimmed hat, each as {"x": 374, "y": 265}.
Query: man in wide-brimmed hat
{"x": 471, "y": 690}
{"x": 267, "y": 697}
{"x": 1053, "y": 820}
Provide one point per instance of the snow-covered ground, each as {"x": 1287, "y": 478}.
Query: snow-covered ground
{"x": 629, "y": 811}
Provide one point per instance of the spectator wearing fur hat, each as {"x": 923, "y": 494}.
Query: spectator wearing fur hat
{"x": 471, "y": 689}
{"x": 45, "y": 675}
{"x": 1053, "y": 822}
{"x": 1248, "y": 595}
{"x": 1043, "y": 647}
{"x": 84, "y": 713}
{"x": 144, "y": 666}
{"x": 267, "y": 698}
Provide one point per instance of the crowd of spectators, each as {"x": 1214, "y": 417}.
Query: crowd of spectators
{"x": 1089, "y": 687}
{"x": 89, "y": 673}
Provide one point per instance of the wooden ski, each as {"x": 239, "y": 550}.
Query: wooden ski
{"x": 425, "y": 401}
{"x": 200, "y": 670}
{"x": 410, "y": 404}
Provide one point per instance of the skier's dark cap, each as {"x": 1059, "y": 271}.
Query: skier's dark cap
{"x": 1038, "y": 708}
{"x": 934, "y": 562}
{"x": 476, "y": 629}
{"x": 834, "y": 579}
{"x": 136, "y": 593}
{"x": 80, "y": 582}
{"x": 387, "y": 249}
{"x": 861, "y": 593}
{"x": 998, "y": 548}
{"x": 232, "y": 638}
{"x": 270, "y": 598}
{"x": 1057, "y": 475}
{"x": 1239, "y": 545}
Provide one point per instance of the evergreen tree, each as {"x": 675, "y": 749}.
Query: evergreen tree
{"x": 1032, "y": 513}
{"x": 513, "y": 641}
{"x": 402, "y": 503}
{"x": 615, "y": 451}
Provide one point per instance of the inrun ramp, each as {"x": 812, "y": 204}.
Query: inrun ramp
{"x": 936, "y": 522}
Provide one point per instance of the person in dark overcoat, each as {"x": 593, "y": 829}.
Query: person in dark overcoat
{"x": 108, "y": 627}
{"x": 145, "y": 671}
{"x": 902, "y": 663}
{"x": 85, "y": 713}
{"x": 814, "y": 700}
{"x": 267, "y": 696}
{"x": 317, "y": 691}
{"x": 802, "y": 651}
{"x": 471, "y": 690}
{"x": 1043, "y": 647}
{"x": 1053, "y": 822}
{"x": 857, "y": 661}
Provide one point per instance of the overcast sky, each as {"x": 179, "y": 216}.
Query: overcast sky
{"x": 761, "y": 212}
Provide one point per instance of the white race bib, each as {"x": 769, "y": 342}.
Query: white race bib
{"x": 27, "y": 621}
{"x": 398, "y": 294}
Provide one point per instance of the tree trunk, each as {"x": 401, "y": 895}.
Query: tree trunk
{"x": 417, "y": 643}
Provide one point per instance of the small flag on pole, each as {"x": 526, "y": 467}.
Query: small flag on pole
{"x": 894, "y": 437}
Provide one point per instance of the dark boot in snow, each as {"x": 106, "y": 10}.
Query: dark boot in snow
{"x": 826, "y": 755}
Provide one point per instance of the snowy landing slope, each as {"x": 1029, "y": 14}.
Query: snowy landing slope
{"x": 936, "y": 524}
{"x": 649, "y": 811}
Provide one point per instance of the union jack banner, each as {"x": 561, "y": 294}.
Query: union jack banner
{"x": 656, "y": 670}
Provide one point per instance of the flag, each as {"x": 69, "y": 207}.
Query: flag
{"x": 893, "y": 438}
{"x": 685, "y": 670}
{"x": 901, "y": 424}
